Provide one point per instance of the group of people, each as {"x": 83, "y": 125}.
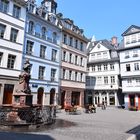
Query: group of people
{"x": 90, "y": 108}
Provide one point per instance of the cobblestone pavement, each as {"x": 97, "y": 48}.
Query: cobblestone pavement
{"x": 109, "y": 124}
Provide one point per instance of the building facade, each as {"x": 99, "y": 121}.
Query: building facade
{"x": 42, "y": 48}
{"x": 12, "y": 26}
{"x": 130, "y": 66}
{"x": 73, "y": 63}
{"x": 103, "y": 77}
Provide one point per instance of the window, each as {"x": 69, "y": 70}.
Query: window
{"x": 41, "y": 72}
{"x": 70, "y": 75}
{"x": 11, "y": 61}
{"x": 64, "y": 74}
{"x": 138, "y": 81}
{"x": 111, "y": 66}
{"x": 31, "y": 27}
{"x": 112, "y": 79}
{"x": 1, "y": 54}
{"x": 127, "y": 54}
{"x": 127, "y": 39}
{"x": 104, "y": 54}
{"x": 54, "y": 37}
{"x": 88, "y": 68}
{"x": 42, "y": 51}
{"x": 71, "y": 41}
{"x": 37, "y": 30}
{"x": 76, "y": 59}
{"x": 133, "y": 38}
{"x": 4, "y": 5}
{"x": 29, "y": 47}
{"x": 99, "y": 80}
{"x": 44, "y": 33}
{"x": 70, "y": 58}
{"x": 64, "y": 56}
{"x": 13, "y": 36}
{"x": 53, "y": 74}
{"x": 76, "y": 76}
{"x": 135, "y": 53}
{"x": 129, "y": 81}
{"x": 81, "y": 77}
{"x": 76, "y": 43}
{"x": 99, "y": 67}
{"x": 93, "y": 68}
{"x": 54, "y": 55}
{"x": 128, "y": 67}
{"x": 105, "y": 80}
{"x": 87, "y": 81}
{"x": 98, "y": 55}
{"x": 105, "y": 67}
{"x": 136, "y": 66}
{"x": 93, "y": 56}
{"x": 2, "y": 30}
{"x": 49, "y": 35}
{"x": 81, "y": 46}
{"x": 81, "y": 61}
{"x": 65, "y": 39}
{"x": 16, "y": 11}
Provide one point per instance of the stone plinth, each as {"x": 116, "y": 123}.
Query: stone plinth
{"x": 22, "y": 99}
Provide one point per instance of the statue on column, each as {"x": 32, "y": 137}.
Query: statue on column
{"x": 24, "y": 78}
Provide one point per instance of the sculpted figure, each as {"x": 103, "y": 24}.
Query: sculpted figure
{"x": 24, "y": 78}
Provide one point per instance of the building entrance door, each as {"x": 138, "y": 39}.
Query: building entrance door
{"x": 75, "y": 98}
{"x": 40, "y": 95}
{"x": 8, "y": 93}
{"x": 63, "y": 99}
{"x": 112, "y": 100}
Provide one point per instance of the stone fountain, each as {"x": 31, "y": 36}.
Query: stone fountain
{"x": 23, "y": 112}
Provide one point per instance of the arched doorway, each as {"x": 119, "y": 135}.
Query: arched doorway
{"x": 52, "y": 95}
{"x": 40, "y": 92}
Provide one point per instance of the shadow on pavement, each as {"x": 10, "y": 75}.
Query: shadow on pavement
{"x": 135, "y": 131}
{"x": 21, "y": 136}
{"x": 39, "y": 128}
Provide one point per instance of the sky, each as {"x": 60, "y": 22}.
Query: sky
{"x": 101, "y": 18}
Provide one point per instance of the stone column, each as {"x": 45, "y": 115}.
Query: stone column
{"x": 136, "y": 100}
{"x": 68, "y": 97}
{"x": 82, "y": 98}
{"x": 100, "y": 98}
{"x": 116, "y": 98}
{"x": 126, "y": 101}
{"x": 108, "y": 102}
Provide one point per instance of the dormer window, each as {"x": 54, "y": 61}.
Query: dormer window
{"x": 43, "y": 14}
{"x": 127, "y": 55}
{"x": 133, "y": 39}
{"x": 128, "y": 40}
{"x": 31, "y": 8}
{"x": 135, "y": 53}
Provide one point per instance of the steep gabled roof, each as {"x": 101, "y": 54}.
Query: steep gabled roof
{"x": 105, "y": 43}
{"x": 131, "y": 30}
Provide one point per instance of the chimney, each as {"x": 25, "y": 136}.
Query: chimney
{"x": 114, "y": 41}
